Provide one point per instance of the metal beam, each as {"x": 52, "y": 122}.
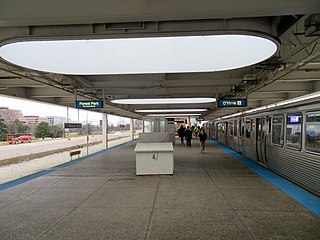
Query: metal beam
{"x": 61, "y": 12}
{"x": 277, "y": 87}
{"x": 84, "y": 81}
{"x": 265, "y": 96}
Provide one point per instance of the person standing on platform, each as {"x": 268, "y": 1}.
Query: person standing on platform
{"x": 181, "y": 133}
{"x": 202, "y": 138}
{"x": 196, "y": 130}
{"x": 188, "y": 136}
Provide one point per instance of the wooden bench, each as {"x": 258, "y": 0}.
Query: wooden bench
{"x": 75, "y": 153}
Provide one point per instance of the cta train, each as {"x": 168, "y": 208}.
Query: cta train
{"x": 284, "y": 138}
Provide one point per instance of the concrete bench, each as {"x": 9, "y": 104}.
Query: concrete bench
{"x": 75, "y": 153}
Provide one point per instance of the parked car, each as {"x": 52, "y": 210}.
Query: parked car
{"x": 22, "y": 139}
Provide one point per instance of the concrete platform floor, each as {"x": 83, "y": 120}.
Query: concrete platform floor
{"x": 210, "y": 196}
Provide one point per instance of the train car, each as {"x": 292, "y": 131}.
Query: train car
{"x": 208, "y": 128}
{"x": 284, "y": 139}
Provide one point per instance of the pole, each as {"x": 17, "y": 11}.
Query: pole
{"x": 132, "y": 128}
{"x": 143, "y": 126}
{"x": 87, "y": 135}
{"x": 104, "y": 131}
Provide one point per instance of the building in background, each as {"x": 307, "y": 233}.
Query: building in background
{"x": 56, "y": 121}
{"x": 10, "y": 115}
{"x": 32, "y": 122}
{"x": 43, "y": 119}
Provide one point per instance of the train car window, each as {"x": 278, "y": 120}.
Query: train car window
{"x": 235, "y": 128}
{"x": 220, "y": 128}
{"x": 313, "y": 132}
{"x": 277, "y": 130}
{"x": 294, "y": 126}
{"x": 230, "y": 128}
{"x": 313, "y": 117}
{"x": 259, "y": 132}
{"x": 248, "y": 128}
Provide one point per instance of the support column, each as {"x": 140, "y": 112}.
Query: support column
{"x": 143, "y": 126}
{"x": 64, "y": 129}
{"x": 132, "y": 128}
{"x": 104, "y": 131}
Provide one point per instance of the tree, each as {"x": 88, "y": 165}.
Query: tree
{"x": 42, "y": 130}
{"x": 55, "y": 131}
{"x": 3, "y": 129}
{"x": 86, "y": 129}
{"x": 17, "y": 127}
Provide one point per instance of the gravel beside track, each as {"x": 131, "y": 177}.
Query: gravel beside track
{"x": 14, "y": 171}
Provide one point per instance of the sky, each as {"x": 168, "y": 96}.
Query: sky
{"x": 29, "y": 107}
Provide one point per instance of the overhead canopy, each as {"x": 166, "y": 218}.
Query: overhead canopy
{"x": 292, "y": 71}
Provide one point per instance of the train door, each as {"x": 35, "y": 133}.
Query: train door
{"x": 214, "y": 131}
{"x": 261, "y": 131}
{"x": 217, "y": 131}
{"x": 241, "y": 134}
{"x": 226, "y": 133}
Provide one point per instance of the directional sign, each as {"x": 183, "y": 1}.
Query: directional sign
{"x": 232, "y": 103}
{"x": 89, "y": 104}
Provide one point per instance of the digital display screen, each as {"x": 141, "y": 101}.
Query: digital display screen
{"x": 294, "y": 119}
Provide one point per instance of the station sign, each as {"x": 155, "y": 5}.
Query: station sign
{"x": 72, "y": 125}
{"x": 232, "y": 103}
{"x": 89, "y": 104}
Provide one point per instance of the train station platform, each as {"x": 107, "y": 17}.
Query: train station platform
{"x": 209, "y": 196}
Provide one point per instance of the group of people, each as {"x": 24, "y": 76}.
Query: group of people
{"x": 186, "y": 133}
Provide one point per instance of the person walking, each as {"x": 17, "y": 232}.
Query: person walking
{"x": 188, "y": 134}
{"x": 181, "y": 133}
{"x": 196, "y": 131}
{"x": 202, "y": 139}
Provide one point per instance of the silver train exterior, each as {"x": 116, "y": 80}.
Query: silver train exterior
{"x": 284, "y": 139}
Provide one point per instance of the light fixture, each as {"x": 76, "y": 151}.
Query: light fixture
{"x": 164, "y": 100}
{"x": 171, "y": 110}
{"x": 173, "y": 115}
{"x": 207, "y": 53}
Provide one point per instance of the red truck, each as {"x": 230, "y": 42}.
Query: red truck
{"x": 22, "y": 139}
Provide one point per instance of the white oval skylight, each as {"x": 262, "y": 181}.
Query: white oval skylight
{"x": 140, "y": 55}
{"x": 174, "y": 115}
{"x": 163, "y": 100}
{"x": 170, "y": 110}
